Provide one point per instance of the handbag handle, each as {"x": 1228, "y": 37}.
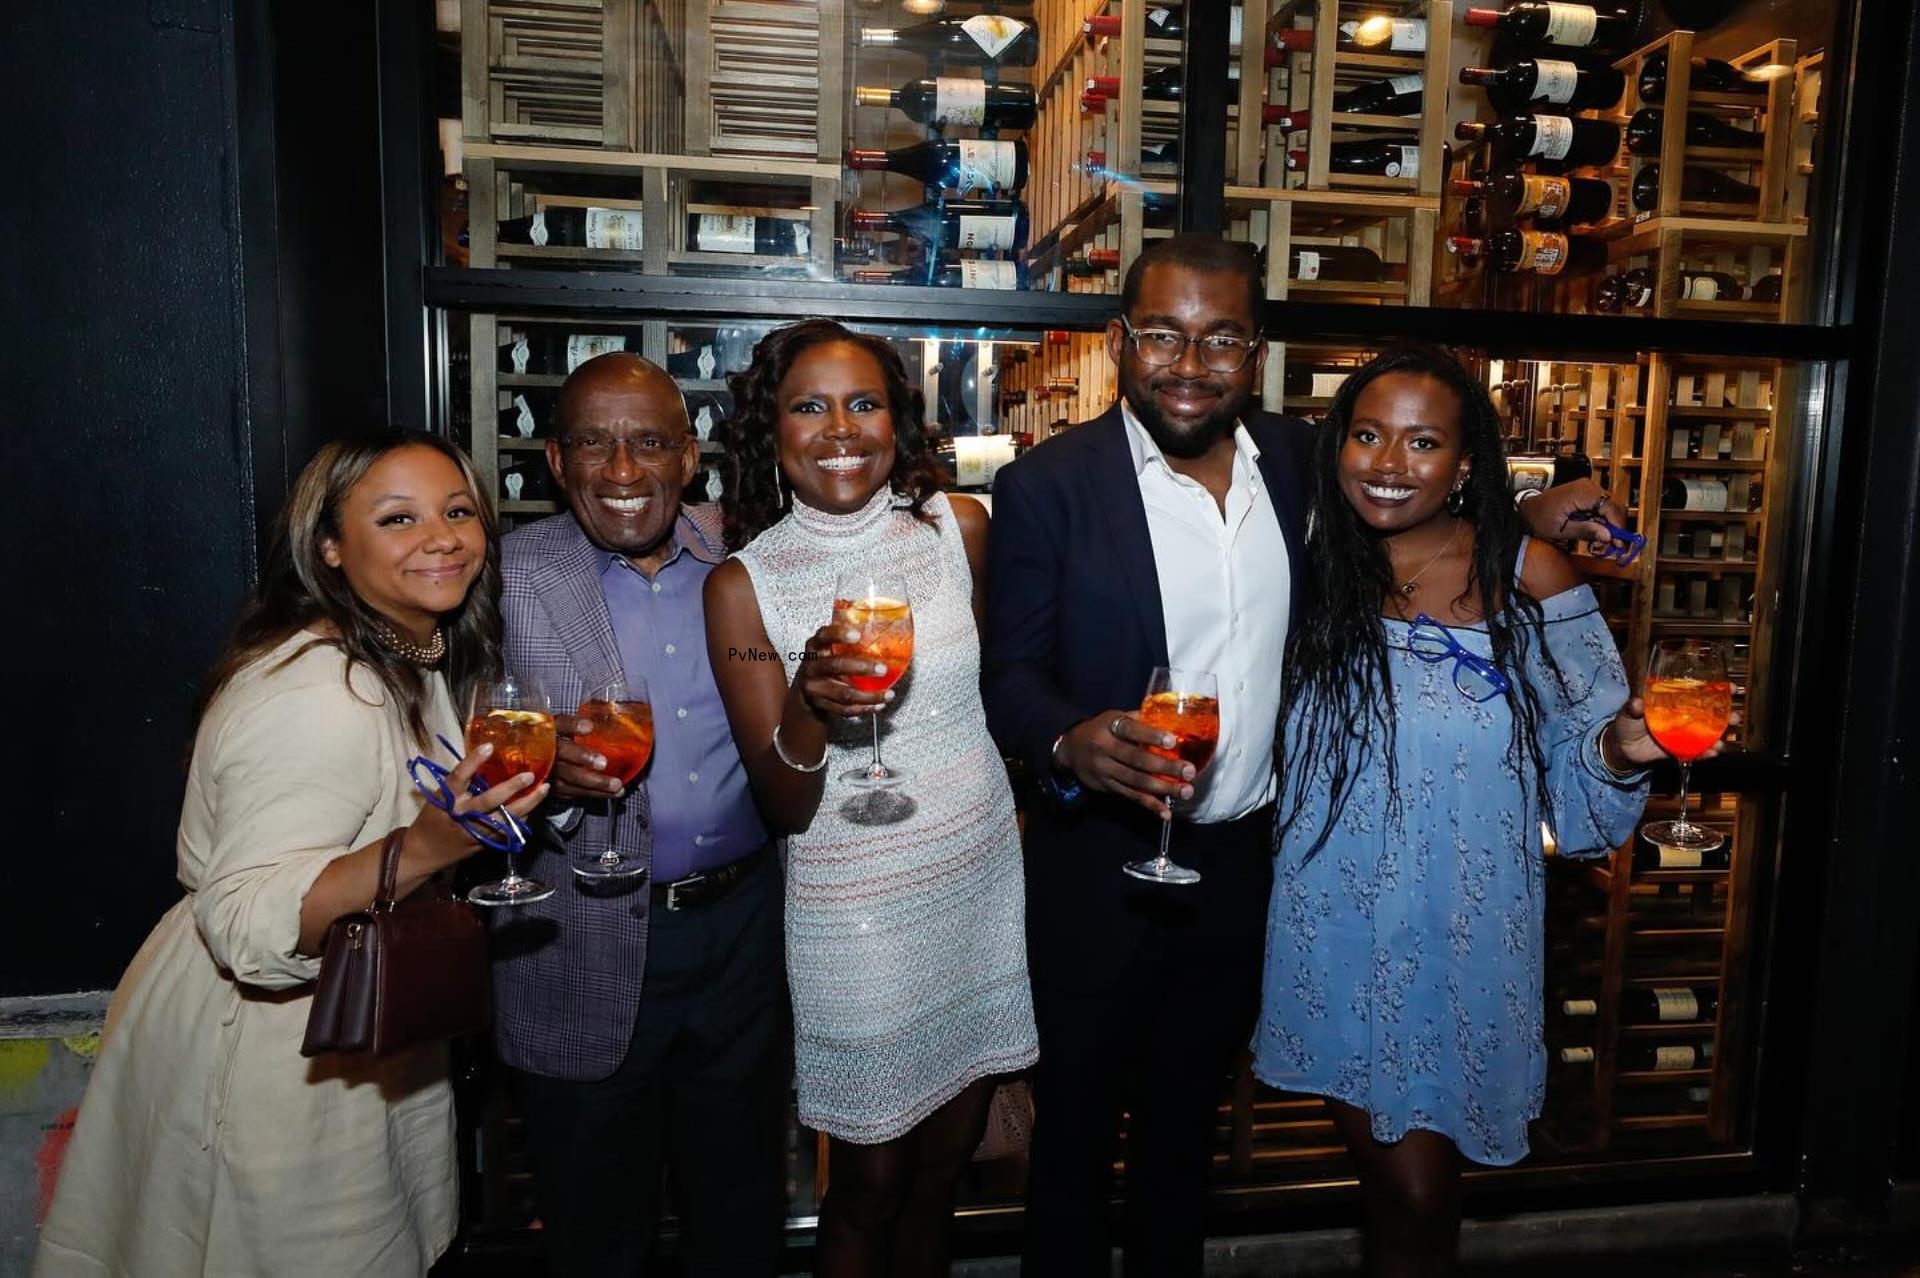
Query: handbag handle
{"x": 390, "y": 868}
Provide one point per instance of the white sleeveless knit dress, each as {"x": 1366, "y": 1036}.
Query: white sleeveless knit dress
{"x": 906, "y": 943}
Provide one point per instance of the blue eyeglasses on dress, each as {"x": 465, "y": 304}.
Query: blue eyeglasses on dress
{"x": 1476, "y": 678}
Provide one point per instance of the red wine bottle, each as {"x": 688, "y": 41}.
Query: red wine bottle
{"x": 1162, "y": 23}
{"x": 965, "y": 167}
{"x": 1767, "y": 288}
{"x": 1647, "y": 129}
{"x": 1558, "y": 139}
{"x": 1566, "y": 201}
{"x": 1344, "y": 262}
{"x": 1653, "y": 856}
{"x": 1697, "y": 186}
{"x": 1395, "y": 95}
{"x": 1092, "y": 262}
{"x": 1511, "y": 250}
{"x": 983, "y": 40}
{"x": 954, "y": 224}
{"x": 1552, "y": 81}
{"x": 1378, "y": 34}
{"x": 1631, "y": 291}
{"x": 1643, "y": 1058}
{"x": 1603, "y": 28}
{"x": 544, "y": 352}
{"x": 1708, "y": 75}
{"x": 1375, "y": 159}
{"x": 1669, "y": 1004}
{"x": 948, "y": 101}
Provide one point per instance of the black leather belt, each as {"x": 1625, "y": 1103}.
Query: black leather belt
{"x": 708, "y": 887}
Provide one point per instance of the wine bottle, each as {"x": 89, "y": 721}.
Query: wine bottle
{"x": 1395, "y": 95}
{"x": 1708, "y": 75}
{"x": 1567, "y": 201}
{"x": 1579, "y": 1008}
{"x": 1092, "y": 262}
{"x": 1560, "y": 139}
{"x": 1697, "y": 186}
{"x": 1162, "y": 23}
{"x": 1633, "y": 290}
{"x": 1335, "y": 262}
{"x": 701, "y": 362}
{"x": 1669, "y": 1003}
{"x": 954, "y": 224}
{"x": 948, "y": 101}
{"x": 964, "y": 167}
{"x": 1158, "y": 84}
{"x": 1378, "y": 34}
{"x": 1652, "y": 856}
{"x": 1376, "y": 159}
{"x": 1643, "y": 1058}
{"x": 970, "y": 273}
{"x": 620, "y": 229}
{"x": 1167, "y": 152}
{"x": 1767, "y": 289}
{"x": 546, "y": 353}
{"x": 1551, "y": 80}
{"x": 983, "y": 40}
{"x": 1303, "y": 381}
{"x": 1647, "y": 128}
{"x": 1576, "y": 1056}
{"x": 1711, "y": 286}
{"x": 526, "y": 412}
{"x": 1602, "y": 28}
{"x": 1286, "y": 119}
{"x": 1694, "y": 493}
{"x": 1511, "y": 249}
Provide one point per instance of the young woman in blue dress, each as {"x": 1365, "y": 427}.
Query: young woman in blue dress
{"x": 1450, "y": 686}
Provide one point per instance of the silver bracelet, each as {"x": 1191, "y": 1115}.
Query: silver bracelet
{"x": 797, "y": 767}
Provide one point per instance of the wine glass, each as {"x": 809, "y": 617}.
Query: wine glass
{"x": 512, "y": 715}
{"x": 1185, "y": 703}
{"x": 875, "y": 604}
{"x": 1689, "y": 701}
{"x": 622, "y": 733}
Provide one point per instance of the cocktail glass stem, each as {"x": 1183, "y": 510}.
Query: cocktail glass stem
{"x": 878, "y": 770}
{"x": 1683, "y": 826}
{"x": 1163, "y": 861}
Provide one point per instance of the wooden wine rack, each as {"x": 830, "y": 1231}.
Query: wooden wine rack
{"x": 1067, "y": 377}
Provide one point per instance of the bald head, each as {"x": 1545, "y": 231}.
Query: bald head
{"x": 623, "y": 453}
{"x": 623, "y": 377}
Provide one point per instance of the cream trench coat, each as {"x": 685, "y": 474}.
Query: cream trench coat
{"x": 206, "y": 1143}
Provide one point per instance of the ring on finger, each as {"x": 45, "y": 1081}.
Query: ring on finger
{"x": 1113, "y": 728}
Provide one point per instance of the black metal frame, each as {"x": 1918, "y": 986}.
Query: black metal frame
{"x": 1826, "y": 1106}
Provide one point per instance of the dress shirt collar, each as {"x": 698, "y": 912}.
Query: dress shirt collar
{"x": 686, "y": 541}
{"x": 1147, "y": 453}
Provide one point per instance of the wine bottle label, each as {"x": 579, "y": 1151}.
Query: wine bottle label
{"x": 522, "y": 353}
{"x": 513, "y": 482}
{"x": 1705, "y": 494}
{"x": 1552, "y": 136}
{"x": 986, "y": 166}
{"x": 1676, "y": 1005}
{"x": 582, "y": 347}
{"x": 613, "y": 229}
{"x": 1543, "y": 196}
{"x": 1309, "y": 265}
{"x": 537, "y": 233}
{"x": 802, "y": 239}
{"x": 714, "y": 487}
{"x": 1404, "y": 35}
{"x": 1157, "y": 20}
{"x": 725, "y": 233}
{"x": 1327, "y": 385}
{"x": 703, "y": 424}
{"x": 992, "y": 32}
{"x": 1555, "y": 81}
{"x": 705, "y": 364}
{"x": 1642, "y": 295}
{"x": 1580, "y": 1007}
{"x": 1235, "y": 17}
{"x": 1576, "y": 1056}
{"x": 985, "y": 232}
{"x": 1405, "y": 84}
{"x": 1665, "y": 1058}
{"x": 1544, "y": 252}
{"x": 957, "y": 101}
{"x": 975, "y": 274}
{"x": 1407, "y": 166}
{"x": 1680, "y": 858}
{"x": 1571, "y": 24}
{"x": 1700, "y": 288}
{"x": 523, "y": 417}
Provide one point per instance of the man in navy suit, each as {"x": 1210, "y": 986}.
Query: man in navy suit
{"x": 1167, "y": 532}
{"x": 615, "y": 1077}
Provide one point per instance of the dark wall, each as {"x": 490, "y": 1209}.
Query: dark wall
{"x": 143, "y": 294}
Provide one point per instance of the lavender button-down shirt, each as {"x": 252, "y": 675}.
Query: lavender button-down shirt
{"x": 703, "y": 812}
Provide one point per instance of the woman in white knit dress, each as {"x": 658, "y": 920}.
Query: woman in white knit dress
{"x": 206, "y": 1143}
{"x": 906, "y": 949}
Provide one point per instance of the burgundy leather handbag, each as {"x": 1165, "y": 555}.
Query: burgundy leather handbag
{"x": 399, "y": 974}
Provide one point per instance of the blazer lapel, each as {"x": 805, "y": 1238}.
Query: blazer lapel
{"x": 1282, "y": 463}
{"x": 570, "y": 589}
{"x": 1117, "y": 491}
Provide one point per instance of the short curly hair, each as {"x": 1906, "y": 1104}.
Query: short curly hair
{"x": 752, "y": 502}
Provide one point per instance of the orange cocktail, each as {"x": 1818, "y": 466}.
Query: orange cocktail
{"x": 1193, "y": 720}
{"x": 522, "y": 740}
{"x": 1686, "y": 716}
{"x": 886, "y": 635}
{"x": 622, "y": 733}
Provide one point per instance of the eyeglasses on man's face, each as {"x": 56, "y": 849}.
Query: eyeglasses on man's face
{"x": 596, "y": 447}
{"x": 1161, "y": 347}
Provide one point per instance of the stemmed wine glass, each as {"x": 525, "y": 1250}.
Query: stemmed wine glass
{"x": 1689, "y": 701}
{"x": 1185, "y": 703}
{"x": 875, "y": 604}
{"x": 512, "y": 715}
{"x": 621, "y": 733}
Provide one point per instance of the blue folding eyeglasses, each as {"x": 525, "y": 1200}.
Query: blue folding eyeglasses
{"x": 1476, "y": 678}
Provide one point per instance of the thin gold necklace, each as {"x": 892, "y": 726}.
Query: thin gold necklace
{"x": 1406, "y": 587}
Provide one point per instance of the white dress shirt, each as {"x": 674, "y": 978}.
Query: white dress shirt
{"x": 1225, "y": 582}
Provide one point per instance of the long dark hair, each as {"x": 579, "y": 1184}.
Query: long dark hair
{"x": 1336, "y": 678}
{"x": 752, "y": 501}
{"x": 299, "y": 589}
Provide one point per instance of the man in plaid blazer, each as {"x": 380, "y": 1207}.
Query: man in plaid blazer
{"x": 644, "y": 1018}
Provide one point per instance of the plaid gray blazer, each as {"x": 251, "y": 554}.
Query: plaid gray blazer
{"x": 567, "y": 970}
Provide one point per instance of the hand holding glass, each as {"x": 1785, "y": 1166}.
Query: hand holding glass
{"x": 1689, "y": 702}
{"x": 512, "y": 715}
{"x": 875, "y": 605}
{"x": 620, "y": 719}
{"x": 1186, "y": 705}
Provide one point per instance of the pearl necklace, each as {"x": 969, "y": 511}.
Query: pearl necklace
{"x": 421, "y": 655}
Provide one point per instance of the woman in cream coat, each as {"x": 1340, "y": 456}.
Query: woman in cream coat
{"x": 206, "y": 1143}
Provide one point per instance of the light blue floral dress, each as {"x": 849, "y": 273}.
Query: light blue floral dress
{"x": 1403, "y": 970}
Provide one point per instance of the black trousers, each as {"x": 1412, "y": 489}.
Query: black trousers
{"x": 1158, "y": 1042}
{"x": 702, "y": 1090}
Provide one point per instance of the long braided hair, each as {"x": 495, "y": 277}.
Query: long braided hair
{"x": 1336, "y": 685}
